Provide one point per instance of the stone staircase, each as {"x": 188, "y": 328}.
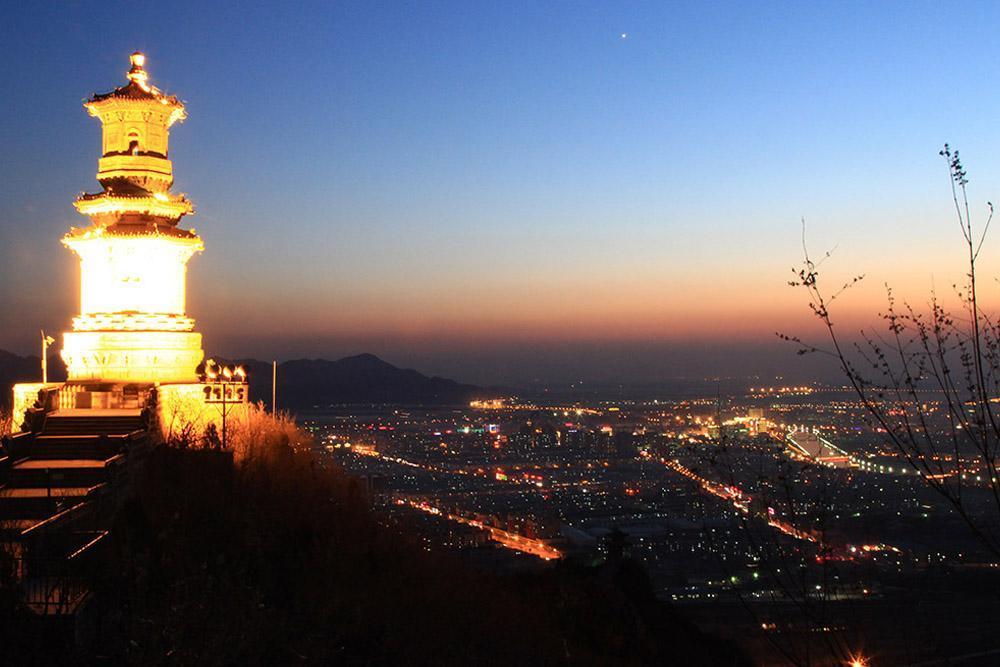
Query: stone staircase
{"x": 74, "y": 456}
{"x": 54, "y": 484}
{"x": 92, "y": 422}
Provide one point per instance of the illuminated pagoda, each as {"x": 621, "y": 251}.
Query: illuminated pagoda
{"x": 133, "y": 343}
{"x": 132, "y": 325}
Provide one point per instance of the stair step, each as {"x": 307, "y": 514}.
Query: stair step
{"x": 60, "y": 472}
{"x": 92, "y": 427}
{"x": 92, "y": 422}
{"x": 53, "y": 464}
{"x": 8, "y": 492}
{"x": 61, "y": 447}
{"x": 39, "y": 502}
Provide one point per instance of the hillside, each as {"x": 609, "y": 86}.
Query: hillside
{"x": 277, "y": 560}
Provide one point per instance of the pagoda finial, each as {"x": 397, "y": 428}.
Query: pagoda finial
{"x": 138, "y": 72}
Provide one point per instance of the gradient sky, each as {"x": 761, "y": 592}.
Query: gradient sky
{"x": 503, "y": 192}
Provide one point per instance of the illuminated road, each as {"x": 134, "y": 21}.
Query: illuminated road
{"x": 519, "y": 479}
{"x": 504, "y": 537}
{"x": 515, "y": 482}
{"x": 739, "y": 500}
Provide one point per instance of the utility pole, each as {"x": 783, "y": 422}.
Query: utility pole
{"x": 225, "y": 390}
{"x": 46, "y": 341}
{"x": 274, "y": 388}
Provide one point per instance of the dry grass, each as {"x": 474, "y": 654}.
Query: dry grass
{"x": 6, "y": 422}
{"x": 259, "y": 432}
{"x": 250, "y": 434}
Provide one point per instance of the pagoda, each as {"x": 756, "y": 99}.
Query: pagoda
{"x": 133, "y": 346}
{"x": 132, "y": 361}
{"x": 132, "y": 325}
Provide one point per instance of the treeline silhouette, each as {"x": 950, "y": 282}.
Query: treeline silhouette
{"x": 280, "y": 560}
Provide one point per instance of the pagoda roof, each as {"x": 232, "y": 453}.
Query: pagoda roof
{"x": 133, "y": 91}
{"x": 147, "y": 227}
{"x": 120, "y": 187}
{"x": 121, "y": 196}
{"x": 139, "y": 226}
{"x": 137, "y": 89}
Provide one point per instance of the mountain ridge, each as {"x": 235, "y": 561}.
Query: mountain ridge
{"x": 301, "y": 383}
{"x": 361, "y": 378}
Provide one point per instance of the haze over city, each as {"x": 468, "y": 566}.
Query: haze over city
{"x": 516, "y": 192}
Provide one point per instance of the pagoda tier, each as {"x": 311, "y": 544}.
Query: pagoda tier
{"x": 136, "y": 120}
{"x": 132, "y": 324}
{"x": 134, "y": 168}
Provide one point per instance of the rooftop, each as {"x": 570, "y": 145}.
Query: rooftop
{"x": 138, "y": 88}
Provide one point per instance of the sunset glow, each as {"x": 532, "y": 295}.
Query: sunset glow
{"x": 447, "y": 200}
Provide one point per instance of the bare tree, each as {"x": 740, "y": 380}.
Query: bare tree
{"x": 930, "y": 380}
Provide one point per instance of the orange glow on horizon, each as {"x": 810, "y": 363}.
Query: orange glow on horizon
{"x": 652, "y": 304}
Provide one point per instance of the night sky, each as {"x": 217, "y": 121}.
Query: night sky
{"x": 500, "y": 192}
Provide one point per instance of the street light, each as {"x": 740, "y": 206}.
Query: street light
{"x": 232, "y": 388}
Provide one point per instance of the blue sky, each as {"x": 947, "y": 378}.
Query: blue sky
{"x": 498, "y": 191}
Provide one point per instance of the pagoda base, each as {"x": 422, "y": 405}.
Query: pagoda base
{"x": 132, "y": 356}
{"x": 182, "y": 411}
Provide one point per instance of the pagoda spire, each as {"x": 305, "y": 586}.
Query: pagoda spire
{"x": 137, "y": 73}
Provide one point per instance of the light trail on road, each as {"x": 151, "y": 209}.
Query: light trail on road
{"x": 739, "y": 500}
{"x": 506, "y": 538}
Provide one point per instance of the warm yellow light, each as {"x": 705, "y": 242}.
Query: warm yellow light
{"x": 137, "y": 73}
{"x": 132, "y": 356}
{"x": 140, "y": 274}
{"x": 132, "y": 324}
{"x": 155, "y": 206}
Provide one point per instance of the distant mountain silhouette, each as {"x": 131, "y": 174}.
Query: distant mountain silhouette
{"x": 359, "y": 379}
{"x": 302, "y": 383}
